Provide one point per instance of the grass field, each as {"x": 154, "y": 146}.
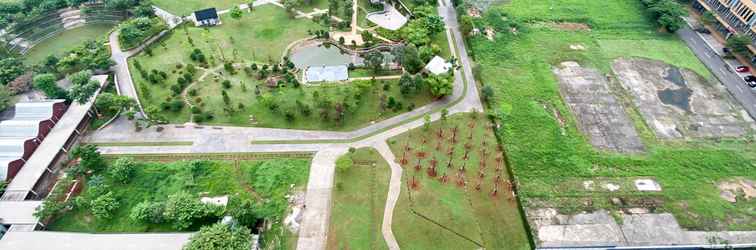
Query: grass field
{"x": 65, "y": 41}
{"x": 358, "y": 201}
{"x": 455, "y": 208}
{"x": 270, "y": 179}
{"x": 187, "y": 7}
{"x": 519, "y": 69}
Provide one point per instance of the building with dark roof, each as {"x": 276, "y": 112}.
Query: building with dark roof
{"x": 206, "y": 17}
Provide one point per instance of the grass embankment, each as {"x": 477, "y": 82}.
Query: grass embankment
{"x": 543, "y": 159}
{"x": 267, "y": 181}
{"x": 358, "y": 203}
{"x": 66, "y": 40}
{"x": 461, "y": 212}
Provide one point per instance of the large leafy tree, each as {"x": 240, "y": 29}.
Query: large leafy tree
{"x": 46, "y": 83}
{"x": 220, "y": 237}
{"x": 112, "y": 103}
{"x": 440, "y": 85}
{"x": 103, "y": 207}
{"x": 10, "y": 68}
{"x": 90, "y": 158}
{"x": 84, "y": 86}
{"x": 374, "y": 61}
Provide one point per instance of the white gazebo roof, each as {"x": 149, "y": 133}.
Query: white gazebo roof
{"x": 438, "y": 66}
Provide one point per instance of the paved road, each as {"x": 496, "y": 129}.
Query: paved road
{"x": 724, "y": 72}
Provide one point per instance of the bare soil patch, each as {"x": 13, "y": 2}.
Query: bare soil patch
{"x": 600, "y": 115}
{"x": 678, "y": 103}
{"x": 571, "y": 26}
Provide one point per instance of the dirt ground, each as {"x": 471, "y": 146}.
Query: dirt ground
{"x": 599, "y": 113}
{"x": 571, "y": 26}
{"x": 678, "y": 103}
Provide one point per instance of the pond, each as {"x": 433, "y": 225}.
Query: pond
{"x": 679, "y": 97}
{"x": 320, "y": 55}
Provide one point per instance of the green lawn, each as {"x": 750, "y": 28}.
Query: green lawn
{"x": 438, "y": 215}
{"x": 260, "y": 37}
{"x": 358, "y": 203}
{"x": 187, "y": 7}
{"x": 270, "y": 180}
{"x": 519, "y": 69}
{"x": 66, "y": 40}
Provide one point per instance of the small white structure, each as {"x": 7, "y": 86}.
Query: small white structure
{"x": 218, "y": 200}
{"x": 206, "y": 17}
{"x": 326, "y": 73}
{"x": 438, "y": 66}
{"x": 647, "y": 185}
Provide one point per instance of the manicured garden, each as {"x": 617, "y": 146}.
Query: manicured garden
{"x": 57, "y": 45}
{"x": 519, "y": 69}
{"x": 232, "y": 74}
{"x": 456, "y": 192}
{"x": 132, "y": 196}
{"x": 358, "y": 202}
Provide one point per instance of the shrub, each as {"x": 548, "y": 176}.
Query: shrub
{"x": 220, "y": 237}
{"x": 183, "y": 209}
{"x": 103, "y": 207}
{"x": 147, "y": 212}
{"x": 344, "y": 163}
{"x": 123, "y": 170}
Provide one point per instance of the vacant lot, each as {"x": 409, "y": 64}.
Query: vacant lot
{"x": 543, "y": 153}
{"x": 66, "y": 40}
{"x": 599, "y": 114}
{"x": 456, "y": 192}
{"x": 678, "y": 103}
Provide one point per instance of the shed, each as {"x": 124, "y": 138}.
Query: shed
{"x": 206, "y": 17}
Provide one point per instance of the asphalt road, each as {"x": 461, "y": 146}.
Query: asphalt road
{"x": 721, "y": 70}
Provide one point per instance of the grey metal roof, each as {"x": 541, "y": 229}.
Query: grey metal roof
{"x": 19, "y": 128}
{"x": 326, "y": 73}
{"x": 76, "y": 241}
{"x": 52, "y": 144}
{"x": 35, "y": 110}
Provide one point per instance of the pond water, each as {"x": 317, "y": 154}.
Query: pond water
{"x": 319, "y": 55}
{"x": 679, "y": 97}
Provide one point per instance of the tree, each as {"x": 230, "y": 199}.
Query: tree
{"x": 344, "y": 163}
{"x": 220, "y": 237}
{"x": 407, "y": 85}
{"x": 668, "y": 13}
{"x": 123, "y": 170}
{"x": 410, "y": 59}
{"x": 236, "y": 13}
{"x": 5, "y": 98}
{"x": 10, "y": 68}
{"x": 289, "y": 5}
{"x": 112, "y": 103}
{"x": 427, "y": 119}
{"x": 440, "y": 86}
{"x": 487, "y": 92}
{"x": 374, "y": 60}
{"x": 90, "y": 158}
{"x": 739, "y": 44}
{"x": 103, "y": 207}
{"x": 46, "y": 83}
{"x": 147, "y": 212}
{"x": 444, "y": 114}
{"x": 708, "y": 18}
{"x": 245, "y": 212}
{"x": 83, "y": 86}
{"x": 183, "y": 209}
